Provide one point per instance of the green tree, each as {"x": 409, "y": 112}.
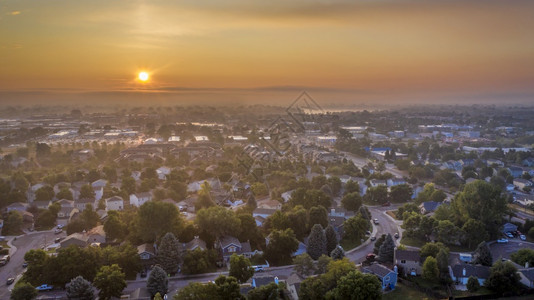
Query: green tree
{"x": 523, "y": 256}
{"x": 355, "y": 227}
{"x": 472, "y": 284}
{"x": 318, "y": 215}
{"x": 195, "y": 290}
{"x": 157, "y": 281}
{"x": 87, "y": 191}
{"x": 386, "y": 250}
{"x": 199, "y": 261}
{"x": 271, "y": 291}
{"x": 337, "y": 253}
{"x": 316, "y": 242}
{"x": 431, "y": 249}
{"x": 430, "y": 269}
{"x": 89, "y": 217}
{"x": 482, "y": 255}
{"x": 322, "y": 264}
{"x": 331, "y": 239}
{"x": 64, "y": 193}
{"x": 378, "y": 194}
{"x": 379, "y": 243}
{"x": 45, "y": 193}
{"x": 124, "y": 255}
{"x": 128, "y": 185}
{"x": 352, "y": 187}
{"x": 312, "y": 288}
{"x": 352, "y": 201}
{"x": 114, "y": 226}
{"x": 401, "y": 193}
{"x": 12, "y": 223}
{"x": 298, "y": 220}
{"x": 169, "y": 253}
{"x": 304, "y": 265}
{"x": 503, "y": 277}
{"x": 218, "y": 221}
{"x": 448, "y": 233}
{"x": 228, "y": 287}
{"x": 442, "y": 258}
{"x": 81, "y": 289}
{"x": 240, "y": 268}
{"x": 282, "y": 244}
{"x": 475, "y": 232}
{"x": 155, "y": 219}
{"x": 110, "y": 280}
{"x": 45, "y": 219}
{"x": 357, "y": 285}
{"x": 23, "y": 291}
{"x": 37, "y": 260}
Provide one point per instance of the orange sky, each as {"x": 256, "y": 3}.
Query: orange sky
{"x": 344, "y": 50}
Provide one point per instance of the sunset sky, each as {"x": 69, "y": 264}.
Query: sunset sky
{"x": 352, "y": 51}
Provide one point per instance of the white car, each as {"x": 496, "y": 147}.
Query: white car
{"x": 509, "y": 234}
{"x": 523, "y": 237}
{"x": 502, "y": 241}
{"x": 375, "y": 221}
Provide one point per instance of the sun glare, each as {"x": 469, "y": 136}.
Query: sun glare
{"x": 143, "y": 76}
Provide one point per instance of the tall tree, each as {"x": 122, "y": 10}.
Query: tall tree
{"x": 280, "y": 247}
{"x": 110, "y": 280}
{"x": 240, "y": 268}
{"x": 387, "y": 249}
{"x": 218, "y": 221}
{"x": 155, "y": 219}
{"x": 316, "y": 242}
{"x": 430, "y": 269}
{"x": 475, "y": 232}
{"x": 483, "y": 255}
{"x": 81, "y": 289}
{"x": 157, "y": 281}
{"x": 352, "y": 201}
{"x": 400, "y": 193}
{"x": 303, "y": 265}
{"x": 318, "y": 215}
{"x": 358, "y": 286}
{"x": 23, "y": 291}
{"x": 443, "y": 262}
{"x": 87, "y": 191}
{"x": 331, "y": 239}
{"x": 503, "y": 277}
{"x": 114, "y": 227}
{"x": 337, "y": 253}
{"x": 169, "y": 253}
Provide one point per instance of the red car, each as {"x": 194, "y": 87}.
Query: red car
{"x": 370, "y": 256}
{"x": 387, "y": 204}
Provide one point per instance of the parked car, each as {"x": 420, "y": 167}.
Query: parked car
{"x": 375, "y": 221}
{"x": 58, "y": 231}
{"x": 60, "y": 226}
{"x": 523, "y": 237}
{"x": 25, "y": 264}
{"x": 10, "y": 280}
{"x": 502, "y": 241}
{"x": 368, "y": 232}
{"x": 44, "y": 287}
{"x": 373, "y": 238}
{"x": 2, "y": 238}
{"x": 143, "y": 273}
{"x": 57, "y": 240}
{"x": 387, "y": 204}
{"x": 509, "y": 234}
{"x": 396, "y": 235}
{"x": 258, "y": 269}
{"x": 370, "y": 257}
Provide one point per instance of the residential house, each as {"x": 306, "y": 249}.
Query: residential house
{"x": 27, "y": 217}
{"x": 82, "y": 203}
{"x": 65, "y": 214}
{"x": 527, "y": 277}
{"x": 114, "y": 203}
{"x": 521, "y": 183}
{"x": 66, "y": 203}
{"x": 387, "y": 277}
{"x": 429, "y": 207}
{"x": 147, "y": 254}
{"x": 259, "y": 281}
{"x": 195, "y": 243}
{"x": 452, "y": 165}
{"x": 96, "y": 235}
{"x": 163, "y": 172}
{"x": 528, "y": 162}
{"x": 270, "y": 204}
{"x": 98, "y": 187}
{"x": 494, "y": 162}
{"x": 32, "y": 191}
{"x": 395, "y": 181}
{"x": 140, "y": 198}
{"x": 17, "y": 206}
{"x": 408, "y": 262}
{"x": 77, "y": 239}
{"x": 377, "y": 182}
{"x": 510, "y": 187}
{"x": 263, "y": 212}
{"x": 229, "y": 245}
{"x": 461, "y": 272}
{"x": 42, "y": 204}
{"x": 516, "y": 172}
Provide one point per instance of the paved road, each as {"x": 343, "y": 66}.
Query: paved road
{"x": 34, "y": 240}
{"x": 386, "y": 225}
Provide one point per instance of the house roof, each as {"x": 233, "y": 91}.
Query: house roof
{"x": 263, "y": 280}
{"x": 528, "y": 273}
{"x": 149, "y": 248}
{"x": 18, "y": 205}
{"x": 143, "y": 195}
{"x": 195, "y": 243}
{"x": 430, "y": 206}
{"x": 377, "y": 269}
{"x": 99, "y": 183}
{"x": 478, "y": 271}
{"x": 411, "y": 255}
{"x": 114, "y": 198}
{"x": 227, "y": 240}
{"x": 41, "y": 203}
{"x": 264, "y": 211}
{"x": 97, "y": 230}
{"x": 85, "y": 201}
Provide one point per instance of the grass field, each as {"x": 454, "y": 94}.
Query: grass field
{"x": 349, "y": 244}
{"x": 403, "y": 292}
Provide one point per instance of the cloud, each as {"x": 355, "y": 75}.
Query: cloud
{"x": 14, "y": 13}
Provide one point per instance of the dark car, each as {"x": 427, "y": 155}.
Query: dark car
{"x": 10, "y": 281}
{"x": 24, "y": 264}
{"x": 396, "y": 235}
{"x": 143, "y": 274}
{"x": 387, "y": 204}
{"x": 370, "y": 257}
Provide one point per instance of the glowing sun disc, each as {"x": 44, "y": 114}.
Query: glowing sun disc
{"x": 143, "y": 76}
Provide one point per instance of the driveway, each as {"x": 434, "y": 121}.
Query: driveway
{"x": 506, "y": 250}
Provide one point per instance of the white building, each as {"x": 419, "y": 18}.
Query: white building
{"x": 140, "y": 198}
{"x": 114, "y": 203}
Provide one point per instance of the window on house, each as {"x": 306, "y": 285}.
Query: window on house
{"x": 386, "y": 278}
{"x": 403, "y": 261}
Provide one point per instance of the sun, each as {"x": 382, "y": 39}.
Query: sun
{"x": 143, "y": 76}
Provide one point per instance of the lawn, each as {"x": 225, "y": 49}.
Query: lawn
{"x": 4, "y": 245}
{"x": 403, "y": 292}
{"x": 415, "y": 242}
{"x": 481, "y": 291}
{"x": 393, "y": 214}
{"x": 348, "y": 244}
